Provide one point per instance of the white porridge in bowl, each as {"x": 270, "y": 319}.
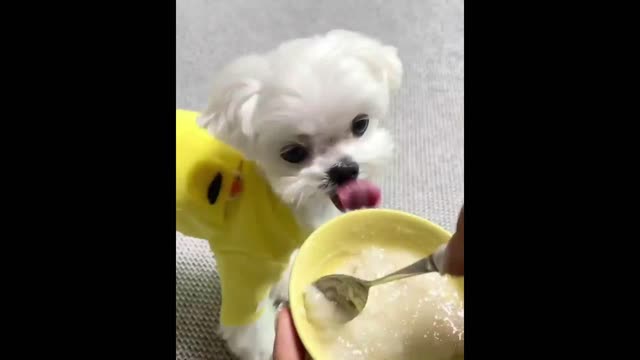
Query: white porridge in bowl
{"x": 421, "y": 317}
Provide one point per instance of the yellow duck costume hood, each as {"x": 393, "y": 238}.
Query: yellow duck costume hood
{"x": 221, "y": 197}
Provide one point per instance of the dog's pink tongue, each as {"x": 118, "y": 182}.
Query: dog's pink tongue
{"x": 358, "y": 194}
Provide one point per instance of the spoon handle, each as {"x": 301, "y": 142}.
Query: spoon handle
{"x": 422, "y": 266}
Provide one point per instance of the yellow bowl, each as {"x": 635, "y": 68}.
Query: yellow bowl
{"x": 336, "y": 241}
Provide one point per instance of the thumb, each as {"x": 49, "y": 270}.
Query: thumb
{"x": 287, "y": 345}
{"x": 454, "y": 256}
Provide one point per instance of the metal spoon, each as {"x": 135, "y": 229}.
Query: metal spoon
{"x": 350, "y": 294}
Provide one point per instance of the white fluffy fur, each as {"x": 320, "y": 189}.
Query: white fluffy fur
{"x": 306, "y": 91}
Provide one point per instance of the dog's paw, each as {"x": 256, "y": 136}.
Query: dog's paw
{"x": 255, "y": 341}
{"x": 280, "y": 291}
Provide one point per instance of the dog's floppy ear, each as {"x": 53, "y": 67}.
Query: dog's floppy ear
{"x": 389, "y": 65}
{"x": 235, "y": 94}
{"x": 382, "y": 60}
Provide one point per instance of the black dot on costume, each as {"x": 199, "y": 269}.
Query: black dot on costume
{"x": 214, "y": 189}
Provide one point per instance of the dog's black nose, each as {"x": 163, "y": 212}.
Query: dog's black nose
{"x": 343, "y": 171}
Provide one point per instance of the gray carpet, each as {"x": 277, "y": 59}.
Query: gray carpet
{"x": 427, "y": 176}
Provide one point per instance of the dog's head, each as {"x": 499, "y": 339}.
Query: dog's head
{"x": 309, "y": 114}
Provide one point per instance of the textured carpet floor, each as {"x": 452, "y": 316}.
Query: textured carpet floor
{"x": 426, "y": 117}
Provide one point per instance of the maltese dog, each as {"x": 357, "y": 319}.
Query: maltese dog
{"x": 309, "y": 116}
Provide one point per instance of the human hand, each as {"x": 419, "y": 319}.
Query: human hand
{"x": 454, "y": 252}
{"x": 287, "y": 345}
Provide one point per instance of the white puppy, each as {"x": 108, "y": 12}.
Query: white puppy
{"x": 309, "y": 115}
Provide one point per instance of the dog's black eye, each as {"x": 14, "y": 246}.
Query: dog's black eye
{"x": 294, "y": 153}
{"x": 359, "y": 124}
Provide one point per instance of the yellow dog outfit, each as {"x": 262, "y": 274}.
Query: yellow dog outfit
{"x": 221, "y": 197}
